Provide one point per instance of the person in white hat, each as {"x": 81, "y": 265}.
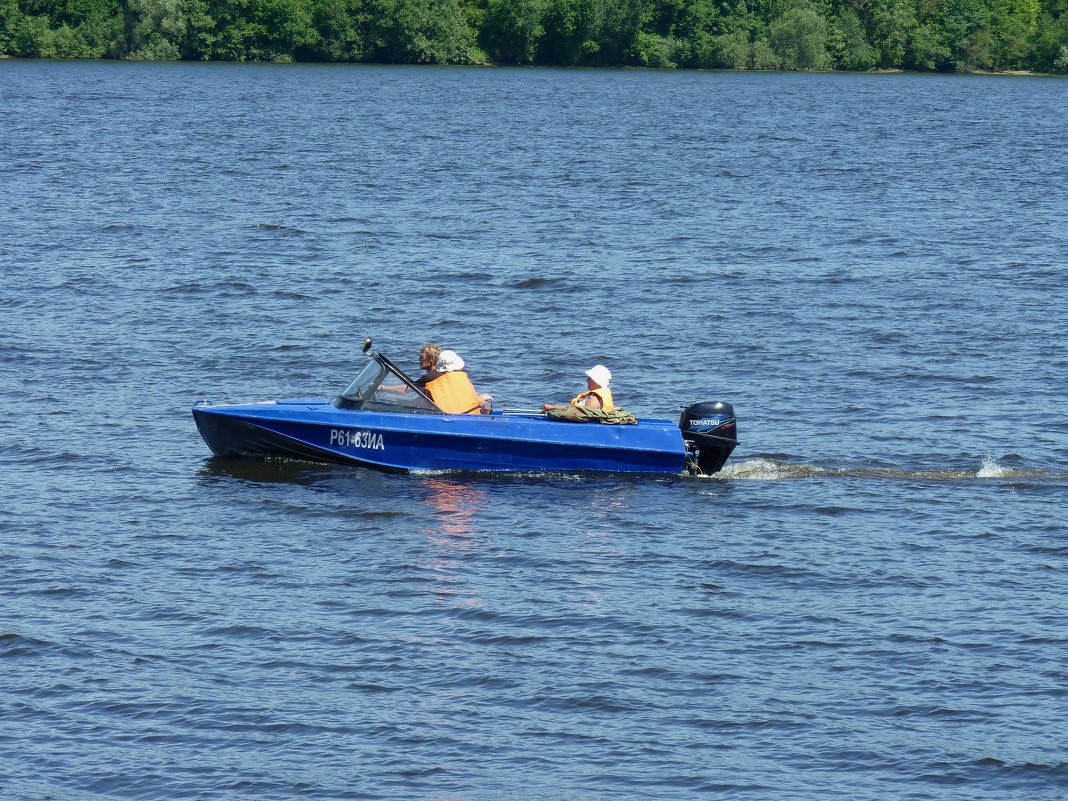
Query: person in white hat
{"x": 448, "y": 361}
{"x": 446, "y": 382}
{"x": 452, "y": 390}
{"x": 597, "y": 394}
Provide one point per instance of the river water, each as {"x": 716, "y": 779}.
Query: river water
{"x": 868, "y": 603}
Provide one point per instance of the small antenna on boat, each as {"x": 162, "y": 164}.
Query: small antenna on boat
{"x": 367, "y": 344}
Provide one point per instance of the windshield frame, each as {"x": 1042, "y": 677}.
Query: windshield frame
{"x": 364, "y": 391}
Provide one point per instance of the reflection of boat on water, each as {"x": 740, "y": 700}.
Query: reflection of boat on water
{"x": 384, "y": 420}
{"x": 455, "y": 505}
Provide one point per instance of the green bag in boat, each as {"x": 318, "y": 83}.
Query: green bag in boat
{"x": 584, "y": 414}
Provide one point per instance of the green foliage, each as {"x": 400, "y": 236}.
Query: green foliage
{"x": 799, "y": 37}
{"x": 927, "y": 51}
{"x": 589, "y": 32}
{"x": 419, "y": 32}
{"x": 1049, "y": 44}
{"x": 76, "y": 12}
{"x": 10, "y": 17}
{"x": 1060, "y": 64}
{"x": 289, "y": 30}
{"x": 1013, "y": 22}
{"x": 891, "y": 24}
{"x": 619, "y": 29}
{"x": 693, "y": 27}
{"x": 944, "y": 35}
{"x": 35, "y": 36}
{"x": 848, "y": 43}
{"x": 732, "y": 51}
{"x": 653, "y": 50}
{"x": 764, "y": 56}
{"x": 339, "y": 25}
{"x": 960, "y": 25}
{"x": 733, "y": 47}
{"x": 571, "y": 30}
{"x": 157, "y": 27}
{"x": 513, "y": 30}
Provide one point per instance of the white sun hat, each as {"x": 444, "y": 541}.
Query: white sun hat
{"x": 449, "y": 361}
{"x": 599, "y": 373}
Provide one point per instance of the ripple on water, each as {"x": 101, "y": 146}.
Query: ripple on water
{"x": 862, "y": 605}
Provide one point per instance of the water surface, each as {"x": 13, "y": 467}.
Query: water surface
{"x": 868, "y": 603}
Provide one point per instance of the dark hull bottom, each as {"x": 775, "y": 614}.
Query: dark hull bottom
{"x": 228, "y": 437}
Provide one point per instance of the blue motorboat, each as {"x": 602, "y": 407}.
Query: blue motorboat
{"x": 385, "y": 420}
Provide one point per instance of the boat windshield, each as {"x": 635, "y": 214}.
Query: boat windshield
{"x": 382, "y": 388}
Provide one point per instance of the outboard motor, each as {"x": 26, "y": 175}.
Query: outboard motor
{"x": 711, "y": 433}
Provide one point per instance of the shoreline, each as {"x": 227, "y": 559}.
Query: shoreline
{"x": 490, "y": 64}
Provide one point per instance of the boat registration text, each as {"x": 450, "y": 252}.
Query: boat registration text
{"x": 353, "y": 438}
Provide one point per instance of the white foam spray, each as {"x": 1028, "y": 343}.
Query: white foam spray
{"x": 991, "y": 469}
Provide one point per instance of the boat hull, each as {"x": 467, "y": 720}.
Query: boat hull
{"x": 318, "y": 431}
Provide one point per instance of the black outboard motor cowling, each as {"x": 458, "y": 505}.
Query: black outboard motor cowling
{"x": 711, "y": 434}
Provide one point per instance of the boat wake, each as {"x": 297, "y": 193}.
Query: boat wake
{"x": 992, "y": 469}
{"x": 773, "y": 469}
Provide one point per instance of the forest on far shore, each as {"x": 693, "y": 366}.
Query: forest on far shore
{"x": 920, "y": 35}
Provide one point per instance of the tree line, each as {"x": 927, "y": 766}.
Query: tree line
{"x": 922, "y": 35}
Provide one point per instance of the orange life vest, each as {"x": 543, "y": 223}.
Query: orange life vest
{"x": 454, "y": 394}
{"x": 604, "y": 393}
